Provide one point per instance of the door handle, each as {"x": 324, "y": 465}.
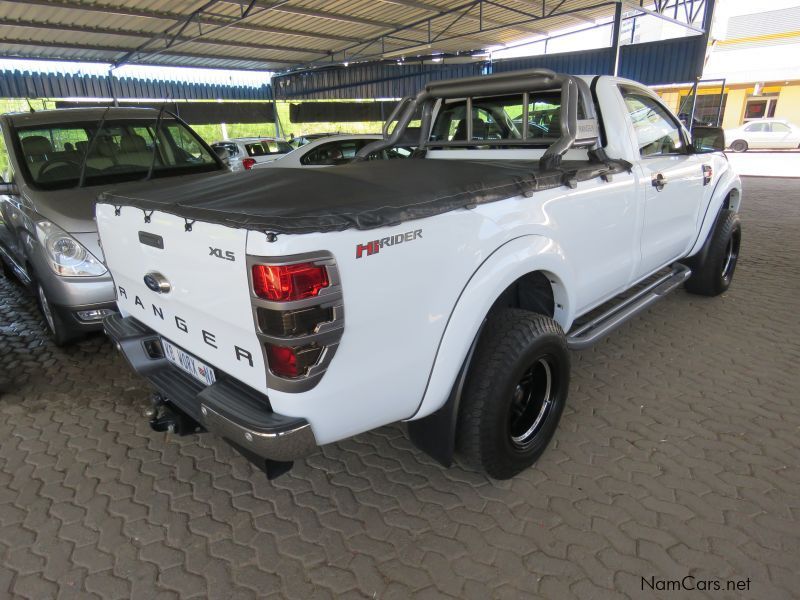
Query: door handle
{"x": 659, "y": 181}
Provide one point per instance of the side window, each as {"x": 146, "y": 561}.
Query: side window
{"x": 6, "y": 175}
{"x": 255, "y": 149}
{"x": 657, "y": 132}
{"x": 756, "y": 127}
{"x": 779, "y": 128}
{"x": 325, "y": 154}
{"x": 189, "y": 149}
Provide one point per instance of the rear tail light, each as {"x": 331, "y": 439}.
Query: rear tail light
{"x": 284, "y": 283}
{"x": 298, "y": 315}
{"x": 248, "y": 163}
{"x": 291, "y": 362}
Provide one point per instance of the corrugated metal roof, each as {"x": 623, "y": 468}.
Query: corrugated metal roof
{"x": 653, "y": 63}
{"x": 17, "y": 84}
{"x": 275, "y": 35}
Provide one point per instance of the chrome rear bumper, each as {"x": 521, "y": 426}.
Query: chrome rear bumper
{"x": 228, "y": 408}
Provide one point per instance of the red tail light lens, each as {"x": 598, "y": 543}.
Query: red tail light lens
{"x": 248, "y": 163}
{"x": 283, "y": 283}
{"x": 282, "y": 361}
{"x": 291, "y": 362}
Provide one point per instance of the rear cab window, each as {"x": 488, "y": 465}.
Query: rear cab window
{"x": 502, "y": 118}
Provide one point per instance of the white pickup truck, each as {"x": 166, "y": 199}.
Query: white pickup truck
{"x": 295, "y": 308}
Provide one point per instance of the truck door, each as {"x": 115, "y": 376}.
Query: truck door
{"x": 673, "y": 181}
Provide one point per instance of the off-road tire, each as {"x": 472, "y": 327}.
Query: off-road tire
{"x": 514, "y": 342}
{"x": 712, "y": 274}
{"x": 739, "y": 146}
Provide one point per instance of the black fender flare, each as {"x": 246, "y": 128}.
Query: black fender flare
{"x": 700, "y": 257}
{"x": 436, "y": 434}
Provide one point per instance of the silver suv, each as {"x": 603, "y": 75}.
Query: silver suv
{"x": 53, "y": 165}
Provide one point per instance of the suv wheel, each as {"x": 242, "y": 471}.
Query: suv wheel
{"x": 59, "y": 330}
{"x": 713, "y": 274}
{"x": 515, "y": 392}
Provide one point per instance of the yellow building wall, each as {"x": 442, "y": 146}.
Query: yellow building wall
{"x": 671, "y": 99}
{"x": 734, "y": 108}
{"x": 788, "y": 106}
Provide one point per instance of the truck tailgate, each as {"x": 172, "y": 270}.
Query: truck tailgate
{"x": 206, "y": 309}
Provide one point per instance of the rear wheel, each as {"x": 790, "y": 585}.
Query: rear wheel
{"x": 515, "y": 392}
{"x": 739, "y": 146}
{"x": 713, "y": 274}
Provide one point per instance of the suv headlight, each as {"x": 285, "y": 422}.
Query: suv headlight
{"x": 66, "y": 255}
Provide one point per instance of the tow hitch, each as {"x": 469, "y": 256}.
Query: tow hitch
{"x": 164, "y": 417}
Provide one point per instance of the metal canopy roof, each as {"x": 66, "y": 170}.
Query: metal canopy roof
{"x": 275, "y": 34}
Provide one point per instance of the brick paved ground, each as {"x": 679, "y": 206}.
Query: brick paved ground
{"x": 678, "y": 455}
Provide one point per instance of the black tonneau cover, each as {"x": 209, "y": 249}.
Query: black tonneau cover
{"x": 361, "y": 195}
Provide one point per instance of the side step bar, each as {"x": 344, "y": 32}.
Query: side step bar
{"x": 594, "y": 330}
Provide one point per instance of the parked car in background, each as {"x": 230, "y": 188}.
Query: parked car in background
{"x": 334, "y": 150}
{"x": 53, "y": 165}
{"x": 763, "y": 134}
{"x": 245, "y": 153}
{"x": 302, "y": 140}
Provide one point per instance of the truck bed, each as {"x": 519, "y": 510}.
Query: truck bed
{"x": 361, "y": 195}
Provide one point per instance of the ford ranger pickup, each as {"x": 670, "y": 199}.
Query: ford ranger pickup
{"x": 294, "y": 308}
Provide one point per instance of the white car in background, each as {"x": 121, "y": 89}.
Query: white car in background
{"x": 334, "y": 150}
{"x": 246, "y": 153}
{"x": 763, "y": 134}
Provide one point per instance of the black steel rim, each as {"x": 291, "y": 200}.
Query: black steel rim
{"x": 532, "y": 401}
{"x": 731, "y": 256}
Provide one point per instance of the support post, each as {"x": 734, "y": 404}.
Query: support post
{"x": 111, "y": 86}
{"x": 695, "y": 87}
{"x": 615, "y": 39}
{"x": 721, "y": 99}
{"x": 278, "y": 132}
{"x": 708, "y": 19}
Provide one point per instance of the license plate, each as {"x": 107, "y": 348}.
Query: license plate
{"x": 188, "y": 363}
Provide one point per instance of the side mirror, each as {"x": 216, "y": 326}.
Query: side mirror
{"x": 223, "y": 155}
{"x": 708, "y": 139}
{"x": 8, "y": 189}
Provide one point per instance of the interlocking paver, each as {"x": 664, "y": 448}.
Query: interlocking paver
{"x": 678, "y": 454}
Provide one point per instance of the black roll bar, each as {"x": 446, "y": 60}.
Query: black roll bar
{"x": 573, "y": 90}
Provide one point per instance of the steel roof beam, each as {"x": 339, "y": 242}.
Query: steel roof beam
{"x": 207, "y": 19}
{"x": 433, "y": 8}
{"x": 630, "y": 5}
{"x": 146, "y": 34}
{"x": 529, "y": 18}
{"x": 340, "y": 17}
{"x": 118, "y": 51}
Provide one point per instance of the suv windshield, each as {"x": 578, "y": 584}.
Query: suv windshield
{"x": 123, "y": 151}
